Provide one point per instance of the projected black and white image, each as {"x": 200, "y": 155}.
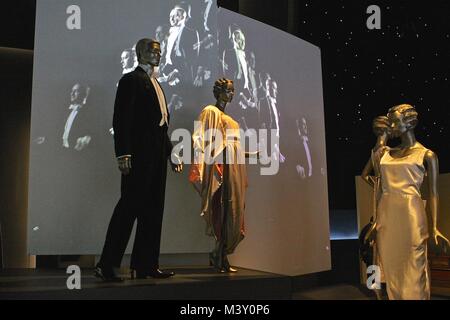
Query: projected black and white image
{"x": 179, "y": 46}
{"x": 273, "y": 88}
{"x": 75, "y": 130}
{"x": 188, "y": 64}
{"x": 253, "y": 112}
{"x": 72, "y": 158}
{"x": 304, "y": 167}
{"x": 74, "y": 181}
{"x": 206, "y": 45}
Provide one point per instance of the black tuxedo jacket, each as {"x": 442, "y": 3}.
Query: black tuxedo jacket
{"x": 136, "y": 120}
{"x": 186, "y": 59}
{"x": 82, "y": 126}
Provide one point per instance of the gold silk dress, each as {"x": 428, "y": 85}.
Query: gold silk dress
{"x": 217, "y": 181}
{"x": 402, "y": 228}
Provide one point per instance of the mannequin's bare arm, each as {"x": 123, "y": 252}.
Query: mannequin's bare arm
{"x": 366, "y": 174}
{"x": 432, "y": 163}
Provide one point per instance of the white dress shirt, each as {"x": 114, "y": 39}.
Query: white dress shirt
{"x": 162, "y": 101}
{"x": 308, "y": 154}
{"x": 173, "y": 40}
{"x": 243, "y": 67}
{"x": 75, "y": 108}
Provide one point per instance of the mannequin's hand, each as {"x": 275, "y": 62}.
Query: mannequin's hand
{"x": 177, "y": 168}
{"x": 370, "y": 235}
{"x": 176, "y": 163}
{"x": 381, "y": 126}
{"x": 124, "y": 165}
{"x": 437, "y": 234}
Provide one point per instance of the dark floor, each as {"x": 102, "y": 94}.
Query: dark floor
{"x": 335, "y": 292}
{"x": 189, "y": 284}
{"x": 353, "y": 292}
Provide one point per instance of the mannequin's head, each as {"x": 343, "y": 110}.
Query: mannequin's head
{"x": 402, "y": 118}
{"x": 380, "y": 125}
{"x": 148, "y": 52}
{"x": 224, "y": 90}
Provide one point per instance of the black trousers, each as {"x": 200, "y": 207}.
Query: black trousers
{"x": 142, "y": 199}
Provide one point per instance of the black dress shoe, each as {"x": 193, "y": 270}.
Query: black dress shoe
{"x": 107, "y": 274}
{"x": 156, "y": 274}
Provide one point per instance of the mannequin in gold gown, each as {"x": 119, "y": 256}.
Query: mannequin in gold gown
{"x": 219, "y": 175}
{"x": 401, "y": 222}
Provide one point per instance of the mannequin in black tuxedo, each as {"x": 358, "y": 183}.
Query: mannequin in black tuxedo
{"x": 142, "y": 147}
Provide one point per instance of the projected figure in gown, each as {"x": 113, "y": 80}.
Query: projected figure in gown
{"x": 305, "y": 168}
{"x": 401, "y": 222}
{"x": 142, "y": 147}
{"x": 76, "y": 134}
{"x": 219, "y": 175}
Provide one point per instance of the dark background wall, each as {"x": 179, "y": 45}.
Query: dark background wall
{"x": 15, "y": 100}
{"x": 364, "y": 73}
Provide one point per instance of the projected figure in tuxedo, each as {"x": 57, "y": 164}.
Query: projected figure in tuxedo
{"x": 142, "y": 147}
{"x": 219, "y": 175}
{"x": 269, "y": 114}
{"x": 248, "y": 98}
{"x": 202, "y": 76}
{"x": 181, "y": 48}
{"x": 305, "y": 168}
{"x": 161, "y": 37}
{"x": 234, "y": 61}
{"x": 76, "y": 133}
{"x": 236, "y": 66}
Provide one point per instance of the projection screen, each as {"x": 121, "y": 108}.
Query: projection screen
{"x": 82, "y": 48}
{"x": 287, "y": 213}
